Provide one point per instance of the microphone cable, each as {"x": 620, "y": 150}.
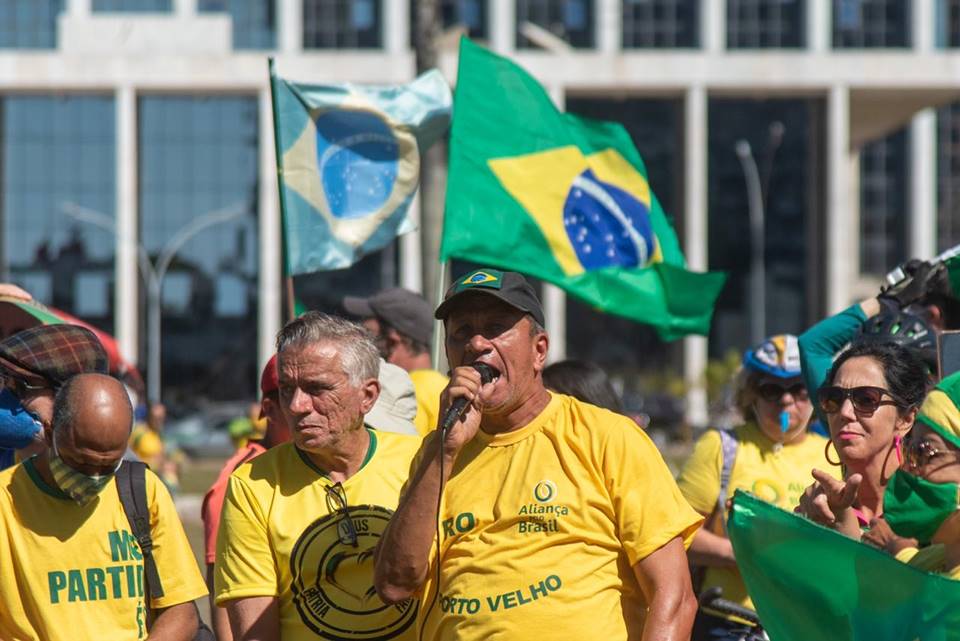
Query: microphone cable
{"x": 436, "y": 594}
{"x": 487, "y": 374}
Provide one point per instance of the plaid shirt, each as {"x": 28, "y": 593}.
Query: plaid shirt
{"x": 53, "y": 353}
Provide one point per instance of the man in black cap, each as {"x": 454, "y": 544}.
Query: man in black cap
{"x": 401, "y": 321}
{"x": 559, "y": 519}
{"x": 34, "y": 363}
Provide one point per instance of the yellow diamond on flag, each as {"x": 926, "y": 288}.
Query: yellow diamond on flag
{"x": 593, "y": 210}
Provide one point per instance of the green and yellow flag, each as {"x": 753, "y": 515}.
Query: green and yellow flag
{"x": 808, "y": 582}
{"x": 564, "y": 199}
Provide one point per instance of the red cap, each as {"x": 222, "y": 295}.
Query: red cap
{"x": 270, "y": 379}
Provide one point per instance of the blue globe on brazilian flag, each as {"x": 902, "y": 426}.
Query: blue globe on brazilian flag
{"x": 349, "y": 157}
{"x": 565, "y": 199}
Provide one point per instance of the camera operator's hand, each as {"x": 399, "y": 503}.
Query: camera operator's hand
{"x": 922, "y": 279}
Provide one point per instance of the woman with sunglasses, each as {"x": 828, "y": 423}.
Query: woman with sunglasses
{"x": 870, "y": 401}
{"x": 770, "y": 454}
{"x": 921, "y": 500}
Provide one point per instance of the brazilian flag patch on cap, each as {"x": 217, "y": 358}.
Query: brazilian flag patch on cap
{"x": 489, "y": 278}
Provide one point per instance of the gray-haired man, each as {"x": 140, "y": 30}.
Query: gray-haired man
{"x": 301, "y": 521}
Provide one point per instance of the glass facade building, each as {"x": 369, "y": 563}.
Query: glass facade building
{"x": 133, "y": 6}
{"x": 569, "y": 20}
{"x": 57, "y": 159}
{"x": 787, "y": 163}
{"x": 864, "y": 24}
{"x": 254, "y": 21}
{"x": 171, "y": 126}
{"x": 343, "y": 24}
{"x": 198, "y": 156}
{"x": 884, "y": 185}
{"x": 29, "y": 24}
{"x": 765, "y": 24}
{"x": 948, "y": 176}
{"x": 661, "y": 24}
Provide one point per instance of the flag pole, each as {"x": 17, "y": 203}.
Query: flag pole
{"x": 437, "y": 323}
{"x": 290, "y": 297}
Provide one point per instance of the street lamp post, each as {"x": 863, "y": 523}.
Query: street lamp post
{"x": 153, "y": 274}
{"x": 757, "y": 193}
{"x": 758, "y": 294}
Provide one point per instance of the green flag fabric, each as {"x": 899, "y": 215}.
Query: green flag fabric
{"x": 953, "y": 270}
{"x": 564, "y": 199}
{"x": 809, "y": 582}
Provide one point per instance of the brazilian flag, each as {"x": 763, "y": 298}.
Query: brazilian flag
{"x": 564, "y": 199}
{"x": 808, "y": 582}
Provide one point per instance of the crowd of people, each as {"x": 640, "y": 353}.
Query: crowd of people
{"x": 507, "y": 498}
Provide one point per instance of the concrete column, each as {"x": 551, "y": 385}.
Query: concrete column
{"x": 78, "y": 8}
{"x": 127, "y": 275}
{"x": 185, "y": 8}
{"x": 291, "y": 26}
{"x": 922, "y": 18}
{"x": 840, "y": 262}
{"x": 923, "y": 185}
{"x": 269, "y": 282}
{"x": 554, "y": 298}
{"x": 609, "y": 27}
{"x": 695, "y": 240}
{"x": 396, "y": 25}
{"x": 502, "y": 25}
{"x": 411, "y": 256}
{"x": 714, "y": 25}
{"x": 819, "y": 26}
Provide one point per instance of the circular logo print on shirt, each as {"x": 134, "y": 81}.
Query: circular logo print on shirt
{"x": 333, "y": 580}
{"x": 766, "y": 490}
{"x": 544, "y": 491}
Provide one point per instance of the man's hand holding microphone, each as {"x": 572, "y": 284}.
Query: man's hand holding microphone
{"x": 462, "y": 405}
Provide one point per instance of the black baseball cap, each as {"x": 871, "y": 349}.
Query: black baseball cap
{"x": 408, "y": 312}
{"x": 510, "y": 287}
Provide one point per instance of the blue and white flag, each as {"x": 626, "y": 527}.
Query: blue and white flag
{"x": 349, "y": 158}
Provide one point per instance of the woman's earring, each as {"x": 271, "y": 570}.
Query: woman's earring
{"x": 826, "y": 454}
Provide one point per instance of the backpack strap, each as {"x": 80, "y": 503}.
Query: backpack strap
{"x": 728, "y": 450}
{"x": 132, "y": 487}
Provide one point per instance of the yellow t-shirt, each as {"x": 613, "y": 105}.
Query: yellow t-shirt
{"x": 775, "y": 473}
{"x": 542, "y": 527}
{"x": 427, "y": 384}
{"x": 277, "y": 538}
{"x": 75, "y": 572}
{"x": 146, "y": 443}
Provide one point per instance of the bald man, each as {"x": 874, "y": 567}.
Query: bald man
{"x": 72, "y": 568}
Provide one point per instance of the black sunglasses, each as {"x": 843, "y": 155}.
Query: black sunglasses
{"x": 866, "y": 399}
{"x": 773, "y": 392}
{"x": 21, "y": 388}
{"x": 337, "y": 504}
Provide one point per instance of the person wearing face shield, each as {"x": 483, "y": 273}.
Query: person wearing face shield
{"x": 72, "y": 569}
{"x": 921, "y": 505}
{"x": 34, "y": 364}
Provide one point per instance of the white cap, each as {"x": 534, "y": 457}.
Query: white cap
{"x": 396, "y": 407}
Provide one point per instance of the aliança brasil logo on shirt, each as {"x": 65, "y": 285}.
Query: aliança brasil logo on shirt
{"x": 545, "y": 491}
{"x": 333, "y": 581}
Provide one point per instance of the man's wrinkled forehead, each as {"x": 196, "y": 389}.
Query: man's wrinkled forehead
{"x": 310, "y": 360}
{"x": 479, "y": 303}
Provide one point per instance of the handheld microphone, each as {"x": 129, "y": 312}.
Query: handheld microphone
{"x": 459, "y": 405}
